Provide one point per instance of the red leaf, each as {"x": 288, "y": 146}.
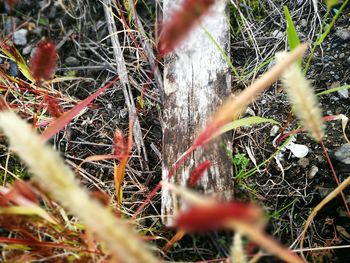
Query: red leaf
{"x": 181, "y": 23}
{"x": 197, "y": 173}
{"x": 21, "y": 193}
{"x": 65, "y": 118}
{"x": 214, "y": 217}
{"x": 44, "y": 60}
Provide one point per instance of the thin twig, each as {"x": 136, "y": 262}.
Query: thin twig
{"x": 122, "y": 72}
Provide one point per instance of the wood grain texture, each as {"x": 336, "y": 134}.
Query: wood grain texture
{"x": 196, "y": 80}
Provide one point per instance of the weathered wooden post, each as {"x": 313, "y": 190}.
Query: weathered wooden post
{"x": 196, "y": 80}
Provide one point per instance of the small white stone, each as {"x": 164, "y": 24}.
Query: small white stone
{"x": 298, "y": 150}
{"x": 278, "y": 34}
{"x": 343, "y": 93}
{"x": 313, "y": 171}
{"x": 274, "y": 130}
{"x": 20, "y": 37}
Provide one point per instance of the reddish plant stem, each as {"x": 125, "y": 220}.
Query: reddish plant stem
{"x": 335, "y": 176}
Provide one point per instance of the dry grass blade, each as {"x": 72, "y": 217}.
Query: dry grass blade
{"x": 266, "y": 242}
{"x": 53, "y": 175}
{"x": 123, "y": 73}
{"x": 317, "y": 208}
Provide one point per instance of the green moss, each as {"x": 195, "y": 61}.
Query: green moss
{"x": 14, "y": 166}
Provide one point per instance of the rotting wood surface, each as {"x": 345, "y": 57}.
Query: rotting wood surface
{"x": 196, "y": 80}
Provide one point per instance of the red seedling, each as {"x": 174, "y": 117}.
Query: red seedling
{"x": 44, "y": 61}
{"x": 120, "y": 144}
{"x": 181, "y": 23}
{"x": 215, "y": 216}
{"x": 197, "y": 173}
{"x": 53, "y": 107}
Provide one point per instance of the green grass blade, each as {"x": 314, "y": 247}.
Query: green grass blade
{"x": 333, "y": 90}
{"x": 245, "y": 122}
{"x": 293, "y": 39}
{"x": 12, "y": 53}
{"x": 322, "y": 37}
{"x": 326, "y": 32}
{"x": 223, "y": 53}
{"x": 331, "y": 3}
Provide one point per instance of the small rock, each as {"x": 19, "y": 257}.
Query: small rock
{"x": 303, "y": 22}
{"x": 72, "y": 61}
{"x": 323, "y": 191}
{"x": 304, "y": 162}
{"x": 13, "y": 70}
{"x": 53, "y": 12}
{"x": 313, "y": 171}
{"x": 343, "y": 93}
{"x": 298, "y": 150}
{"x": 274, "y": 130}
{"x": 37, "y": 31}
{"x": 342, "y": 154}
{"x": 343, "y": 33}
{"x": 27, "y": 50}
{"x": 123, "y": 113}
{"x": 334, "y": 99}
{"x": 278, "y": 34}
{"x": 250, "y": 111}
{"x": 348, "y": 60}
{"x": 20, "y": 37}
{"x": 341, "y": 55}
{"x": 300, "y": 2}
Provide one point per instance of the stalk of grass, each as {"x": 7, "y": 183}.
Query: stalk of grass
{"x": 181, "y": 23}
{"x": 335, "y": 177}
{"x": 237, "y": 251}
{"x": 123, "y": 149}
{"x": 244, "y": 218}
{"x": 303, "y": 99}
{"x": 44, "y": 60}
{"x": 12, "y": 53}
{"x": 50, "y": 172}
{"x": 292, "y": 35}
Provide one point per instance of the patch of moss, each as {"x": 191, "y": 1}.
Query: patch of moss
{"x": 14, "y": 166}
